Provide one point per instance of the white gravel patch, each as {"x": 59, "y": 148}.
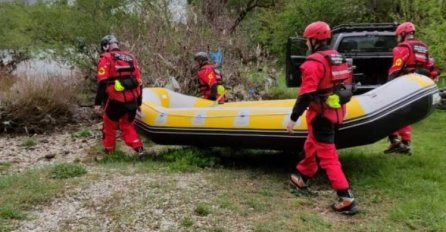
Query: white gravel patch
{"x": 49, "y": 149}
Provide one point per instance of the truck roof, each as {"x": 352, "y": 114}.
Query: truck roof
{"x": 357, "y": 27}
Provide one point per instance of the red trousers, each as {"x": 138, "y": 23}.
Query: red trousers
{"x": 325, "y": 153}
{"x": 405, "y": 133}
{"x": 128, "y": 133}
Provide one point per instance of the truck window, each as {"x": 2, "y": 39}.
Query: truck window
{"x": 369, "y": 43}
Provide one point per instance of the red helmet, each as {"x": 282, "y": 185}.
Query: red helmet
{"x": 318, "y": 30}
{"x": 405, "y": 27}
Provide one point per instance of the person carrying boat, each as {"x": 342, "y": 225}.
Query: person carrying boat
{"x": 326, "y": 82}
{"x": 119, "y": 95}
{"x": 409, "y": 56}
{"x": 209, "y": 79}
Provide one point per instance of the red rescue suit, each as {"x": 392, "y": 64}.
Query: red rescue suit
{"x": 208, "y": 81}
{"x": 317, "y": 77}
{"x": 119, "y": 91}
{"x": 411, "y": 56}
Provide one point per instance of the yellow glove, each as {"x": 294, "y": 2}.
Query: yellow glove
{"x": 220, "y": 89}
{"x": 118, "y": 86}
{"x": 333, "y": 101}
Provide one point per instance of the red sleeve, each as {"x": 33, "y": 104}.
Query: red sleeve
{"x": 103, "y": 69}
{"x": 400, "y": 56}
{"x": 312, "y": 74}
{"x": 433, "y": 69}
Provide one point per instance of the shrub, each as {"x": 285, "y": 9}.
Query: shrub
{"x": 64, "y": 171}
{"x": 35, "y": 104}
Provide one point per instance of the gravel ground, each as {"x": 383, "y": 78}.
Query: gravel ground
{"x": 48, "y": 149}
{"x": 136, "y": 202}
{"x": 113, "y": 200}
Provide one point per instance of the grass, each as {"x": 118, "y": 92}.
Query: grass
{"x": 202, "y": 209}
{"x": 395, "y": 192}
{"x": 188, "y": 159}
{"x": 224, "y": 190}
{"x": 187, "y": 222}
{"x": 83, "y": 133}
{"x": 29, "y": 142}
{"x": 4, "y": 166}
{"x": 20, "y": 191}
{"x": 64, "y": 171}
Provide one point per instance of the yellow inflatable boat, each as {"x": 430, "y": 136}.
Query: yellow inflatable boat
{"x": 172, "y": 118}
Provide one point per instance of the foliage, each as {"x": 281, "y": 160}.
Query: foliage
{"x": 272, "y": 26}
{"x": 189, "y": 159}
{"x": 33, "y": 104}
{"x": 64, "y": 171}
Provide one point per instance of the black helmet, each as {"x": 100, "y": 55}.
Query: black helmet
{"x": 201, "y": 56}
{"x": 108, "y": 39}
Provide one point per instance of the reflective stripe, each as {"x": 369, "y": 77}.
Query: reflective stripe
{"x": 342, "y": 72}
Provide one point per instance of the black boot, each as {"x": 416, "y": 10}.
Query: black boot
{"x": 395, "y": 144}
{"x": 299, "y": 181}
{"x": 345, "y": 203}
{"x": 405, "y": 147}
{"x": 142, "y": 156}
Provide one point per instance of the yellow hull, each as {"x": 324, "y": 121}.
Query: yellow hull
{"x": 172, "y": 118}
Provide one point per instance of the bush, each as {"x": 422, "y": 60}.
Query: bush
{"x": 35, "y": 104}
{"x": 64, "y": 171}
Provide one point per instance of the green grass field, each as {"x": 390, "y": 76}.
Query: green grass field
{"x": 230, "y": 190}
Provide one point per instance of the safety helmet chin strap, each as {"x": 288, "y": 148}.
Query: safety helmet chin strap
{"x": 406, "y": 35}
{"x": 314, "y": 44}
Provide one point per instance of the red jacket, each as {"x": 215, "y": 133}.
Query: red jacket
{"x": 412, "y": 56}
{"x": 208, "y": 79}
{"x": 122, "y": 66}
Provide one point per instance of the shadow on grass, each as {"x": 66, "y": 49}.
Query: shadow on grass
{"x": 358, "y": 165}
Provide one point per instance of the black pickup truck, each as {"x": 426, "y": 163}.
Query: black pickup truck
{"x": 367, "y": 46}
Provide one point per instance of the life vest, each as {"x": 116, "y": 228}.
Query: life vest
{"x": 122, "y": 84}
{"x": 212, "y": 89}
{"x": 418, "y": 60}
{"x": 337, "y": 80}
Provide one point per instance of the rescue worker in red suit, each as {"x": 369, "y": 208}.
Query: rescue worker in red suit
{"x": 317, "y": 84}
{"x": 209, "y": 80}
{"x": 119, "y": 95}
{"x": 409, "y": 56}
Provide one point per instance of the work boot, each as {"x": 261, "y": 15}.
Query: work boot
{"x": 142, "y": 156}
{"x": 299, "y": 181}
{"x": 395, "y": 145}
{"x": 404, "y": 147}
{"x": 345, "y": 203}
